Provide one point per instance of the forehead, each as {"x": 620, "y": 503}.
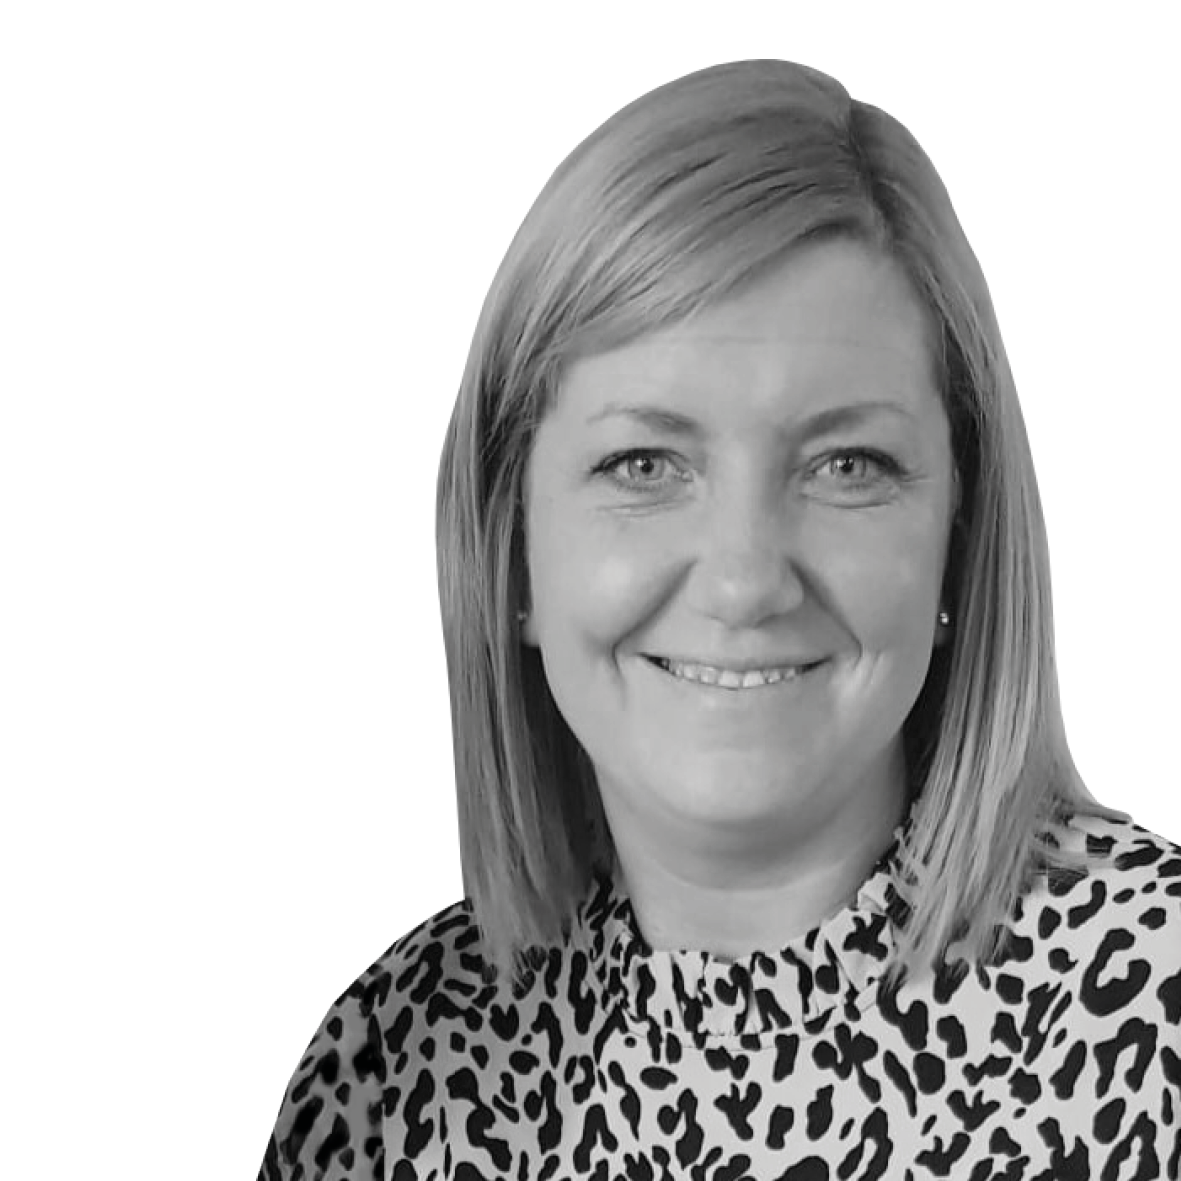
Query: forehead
{"x": 834, "y": 319}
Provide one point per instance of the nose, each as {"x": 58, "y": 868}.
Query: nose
{"x": 747, "y": 568}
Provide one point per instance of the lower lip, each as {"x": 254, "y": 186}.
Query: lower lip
{"x": 723, "y": 695}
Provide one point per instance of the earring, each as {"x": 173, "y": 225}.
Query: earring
{"x": 522, "y": 616}
{"x": 944, "y": 619}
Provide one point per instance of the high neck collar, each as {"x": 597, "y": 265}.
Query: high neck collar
{"x": 835, "y": 963}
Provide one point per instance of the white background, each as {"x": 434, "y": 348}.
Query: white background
{"x": 243, "y": 247}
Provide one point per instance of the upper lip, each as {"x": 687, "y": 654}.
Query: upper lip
{"x": 741, "y": 664}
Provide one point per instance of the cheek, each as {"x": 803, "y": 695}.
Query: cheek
{"x": 593, "y": 581}
{"x": 886, "y": 582}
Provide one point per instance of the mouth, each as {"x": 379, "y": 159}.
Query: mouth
{"x": 711, "y": 677}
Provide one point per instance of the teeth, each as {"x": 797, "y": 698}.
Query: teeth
{"x": 728, "y": 678}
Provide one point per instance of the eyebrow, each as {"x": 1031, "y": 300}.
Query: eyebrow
{"x": 672, "y": 421}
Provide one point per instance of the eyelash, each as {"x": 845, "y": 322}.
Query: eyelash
{"x": 889, "y": 465}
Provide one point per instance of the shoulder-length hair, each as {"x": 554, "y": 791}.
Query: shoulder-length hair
{"x": 676, "y": 202}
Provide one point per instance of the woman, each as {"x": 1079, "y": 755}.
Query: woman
{"x": 775, "y": 859}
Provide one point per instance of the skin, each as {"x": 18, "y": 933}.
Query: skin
{"x": 742, "y": 819}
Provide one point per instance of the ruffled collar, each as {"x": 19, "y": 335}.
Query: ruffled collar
{"x": 792, "y": 989}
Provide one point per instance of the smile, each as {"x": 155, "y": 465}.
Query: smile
{"x": 725, "y": 678}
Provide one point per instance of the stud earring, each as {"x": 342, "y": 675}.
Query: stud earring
{"x": 944, "y": 619}
{"x": 522, "y": 616}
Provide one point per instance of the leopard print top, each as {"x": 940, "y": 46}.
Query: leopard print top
{"x": 1061, "y": 1059}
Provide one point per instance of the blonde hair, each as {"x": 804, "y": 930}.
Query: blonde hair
{"x": 677, "y": 201}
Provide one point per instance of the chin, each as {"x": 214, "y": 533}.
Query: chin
{"x": 734, "y": 795}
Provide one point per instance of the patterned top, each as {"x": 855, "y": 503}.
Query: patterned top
{"x": 1061, "y": 1059}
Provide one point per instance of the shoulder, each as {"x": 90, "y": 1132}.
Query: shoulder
{"x": 1123, "y": 860}
{"x": 438, "y": 963}
{"x": 1113, "y": 927}
{"x": 330, "y": 1122}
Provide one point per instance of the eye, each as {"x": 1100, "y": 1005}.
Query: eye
{"x": 645, "y": 469}
{"x": 639, "y": 469}
{"x": 855, "y": 465}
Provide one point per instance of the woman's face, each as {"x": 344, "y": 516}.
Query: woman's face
{"x": 768, "y": 486}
